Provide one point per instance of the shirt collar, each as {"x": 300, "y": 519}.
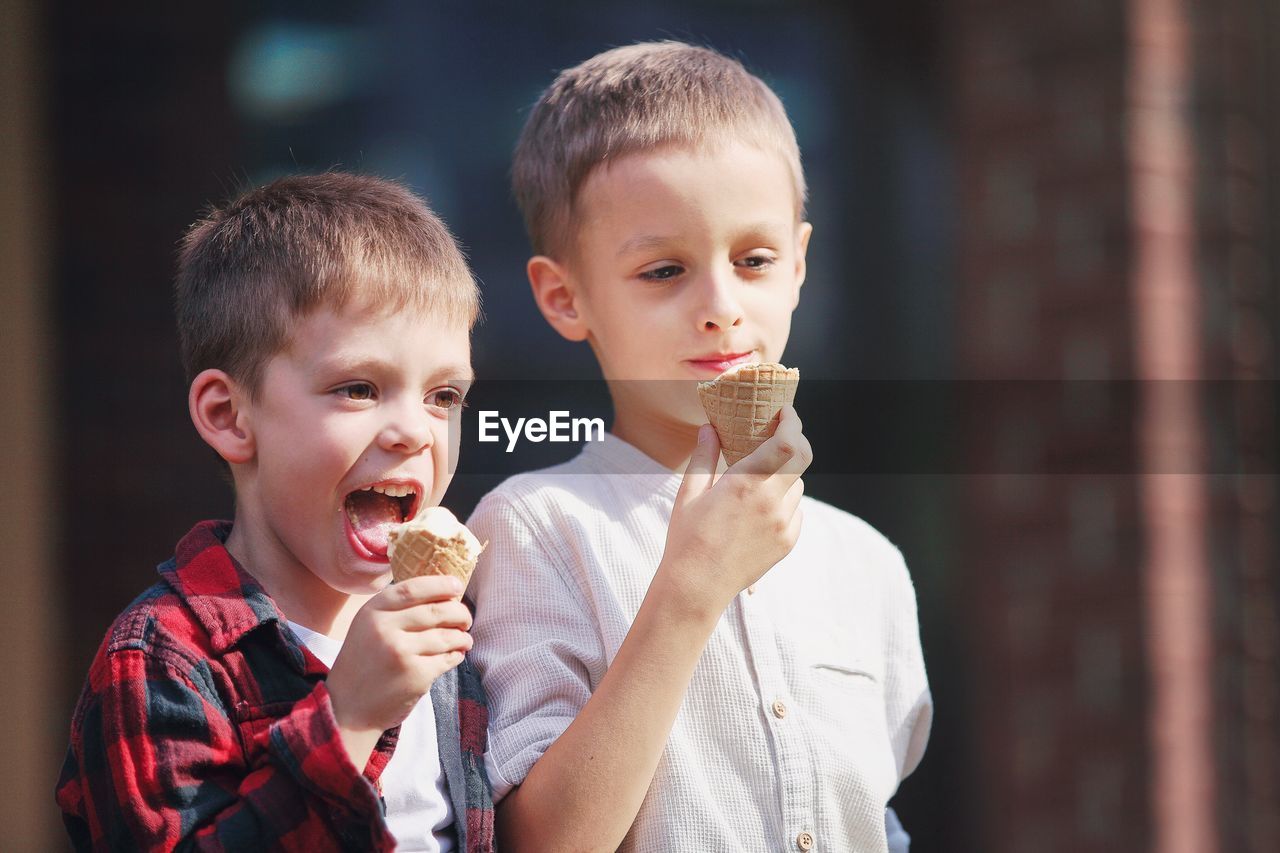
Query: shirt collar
{"x": 225, "y": 598}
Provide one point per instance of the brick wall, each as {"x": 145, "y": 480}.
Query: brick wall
{"x": 1237, "y": 154}
{"x": 1113, "y": 180}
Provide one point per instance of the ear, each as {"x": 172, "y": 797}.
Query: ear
{"x": 219, "y": 411}
{"x": 553, "y": 290}
{"x": 803, "y": 234}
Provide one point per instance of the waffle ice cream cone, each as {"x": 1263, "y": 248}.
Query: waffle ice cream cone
{"x": 434, "y": 543}
{"x": 743, "y": 403}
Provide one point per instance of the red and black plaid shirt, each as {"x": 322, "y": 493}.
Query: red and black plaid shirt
{"x": 205, "y": 724}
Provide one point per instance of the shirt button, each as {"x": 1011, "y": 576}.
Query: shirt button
{"x": 751, "y": 590}
{"x": 780, "y": 711}
{"x": 804, "y": 841}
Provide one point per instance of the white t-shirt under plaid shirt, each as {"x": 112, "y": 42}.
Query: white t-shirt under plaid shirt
{"x": 810, "y": 701}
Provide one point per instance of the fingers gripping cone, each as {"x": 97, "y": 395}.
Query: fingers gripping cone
{"x": 743, "y": 404}
{"x": 435, "y": 543}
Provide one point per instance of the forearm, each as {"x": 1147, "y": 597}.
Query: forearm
{"x": 204, "y": 797}
{"x": 591, "y": 781}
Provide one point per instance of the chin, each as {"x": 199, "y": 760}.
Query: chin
{"x": 366, "y": 578}
{"x": 371, "y": 587}
{"x": 690, "y": 415}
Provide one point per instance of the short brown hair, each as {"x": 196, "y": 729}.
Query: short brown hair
{"x": 249, "y": 268}
{"x": 633, "y": 99}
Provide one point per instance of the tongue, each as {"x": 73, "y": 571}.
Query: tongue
{"x": 372, "y": 516}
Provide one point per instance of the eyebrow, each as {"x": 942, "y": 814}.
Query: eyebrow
{"x": 646, "y": 242}
{"x": 339, "y": 364}
{"x": 764, "y": 229}
{"x": 464, "y": 373}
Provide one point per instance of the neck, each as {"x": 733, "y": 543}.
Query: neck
{"x": 301, "y": 596}
{"x": 666, "y": 441}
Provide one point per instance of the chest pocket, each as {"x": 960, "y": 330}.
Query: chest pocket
{"x": 254, "y": 722}
{"x": 844, "y": 694}
{"x": 835, "y": 651}
{"x": 278, "y": 688}
{"x": 841, "y": 684}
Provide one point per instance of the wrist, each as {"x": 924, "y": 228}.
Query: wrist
{"x": 684, "y": 594}
{"x": 359, "y": 744}
{"x": 344, "y": 715}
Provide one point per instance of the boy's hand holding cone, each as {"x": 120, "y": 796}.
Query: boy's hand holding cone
{"x": 743, "y": 404}
{"x": 407, "y": 635}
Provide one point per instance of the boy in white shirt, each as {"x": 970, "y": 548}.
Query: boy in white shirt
{"x": 656, "y": 681}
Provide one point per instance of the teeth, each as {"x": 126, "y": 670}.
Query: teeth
{"x": 394, "y": 491}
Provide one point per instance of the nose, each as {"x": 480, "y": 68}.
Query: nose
{"x": 719, "y": 307}
{"x": 407, "y": 428}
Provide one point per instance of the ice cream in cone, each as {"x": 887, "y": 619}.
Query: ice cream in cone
{"x": 743, "y": 404}
{"x": 433, "y": 543}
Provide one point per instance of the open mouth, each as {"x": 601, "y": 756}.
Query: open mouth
{"x": 372, "y": 512}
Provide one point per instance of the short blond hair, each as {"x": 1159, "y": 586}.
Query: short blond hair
{"x": 247, "y": 270}
{"x": 634, "y": 99}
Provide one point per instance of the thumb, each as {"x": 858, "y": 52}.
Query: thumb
{"x": 702, "y": 465}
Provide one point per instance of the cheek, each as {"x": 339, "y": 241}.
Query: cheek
{"x": 641, "y": 343}
{"x": 444, "y": 455}
{"x": 453, "y": 442}
{"x": 321, "y": 453}
{"x": 780, "y": 330}
{"x": 336, "y": 441}
{"x": 771, "y": 308}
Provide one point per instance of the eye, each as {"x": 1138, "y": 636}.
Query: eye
{"x": 662, "y": 273}
{"x": 757, "y": 261}
{"x": 447, "y": 399}
{"x": 358, "y": 391}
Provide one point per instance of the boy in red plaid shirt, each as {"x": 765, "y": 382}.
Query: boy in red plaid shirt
{"x": 253, "y": 697}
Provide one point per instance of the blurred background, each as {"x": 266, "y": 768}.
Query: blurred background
{"x": 1003, "y": 193}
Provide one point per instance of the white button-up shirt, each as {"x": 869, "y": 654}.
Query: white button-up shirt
{"x": 807, "y": 707}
